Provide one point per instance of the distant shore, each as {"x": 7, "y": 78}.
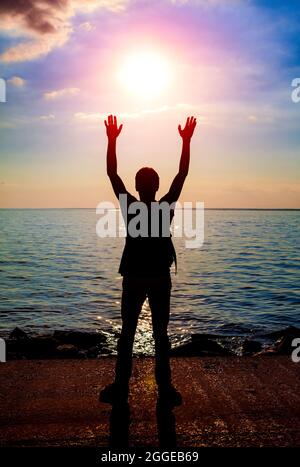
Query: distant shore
{"x": 206, "y": 209}
{"x": 227, "y": 402}
{"x": 62, "y": 344}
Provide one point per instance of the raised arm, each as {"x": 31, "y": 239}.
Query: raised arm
{"x": 113, "y": 132}
{"x": 186, "y": 134}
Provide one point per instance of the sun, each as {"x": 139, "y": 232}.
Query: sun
{"x": 145, "y": 74}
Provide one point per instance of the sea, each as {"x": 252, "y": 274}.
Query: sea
{"x": 57, "y": 274}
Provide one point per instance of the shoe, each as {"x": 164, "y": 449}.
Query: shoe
{"x": 113, "y": 393}
{"x": 169, "y": 395}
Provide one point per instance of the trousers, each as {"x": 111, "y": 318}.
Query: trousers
{"x": 135, "y": 291}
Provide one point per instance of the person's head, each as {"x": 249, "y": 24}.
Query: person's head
{"x": 146, "y": 182}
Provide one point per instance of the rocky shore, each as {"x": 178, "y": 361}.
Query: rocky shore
{"x": 84, "y": 345}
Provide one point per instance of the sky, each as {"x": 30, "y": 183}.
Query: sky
{"x": 69, "y": 63}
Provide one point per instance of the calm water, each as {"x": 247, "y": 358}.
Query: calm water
{"x": 55, "y": 273}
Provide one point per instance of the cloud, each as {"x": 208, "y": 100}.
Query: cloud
{"x": 87, "y": 26}
{"x": 221, "y": 115}
{"x": 45, "y": 23}
{"x": 32, "y": 49}
{"x": 88, "y": 117}
{"x": 17, "y": 81}
{"x": 47, "y": 117}
{"x": 58, "y": 93}
{"x": 97, "y": 116}
{"x": 25, "y": 120}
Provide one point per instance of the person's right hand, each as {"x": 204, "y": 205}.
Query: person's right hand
{"x": 112, "y": 129}
{"x": 188, "y": 130}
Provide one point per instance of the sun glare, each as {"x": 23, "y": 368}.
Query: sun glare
{"x": 145, "y": 74}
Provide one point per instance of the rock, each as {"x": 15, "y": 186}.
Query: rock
{"x": 93, "y": 352}
{"x": 62, "y": 344}
{"x": 199, "y": 347}
{"x": 284, "y": 345}
{"x": 42, "y": 346}
{"x": 34, "y": 347}
{"x": 251, "y": 347}
{"x": 80, "y": 339}
{"x": 67, "y": 351}
{"x": 18, "y": 334}
{"x": 289, "y": 331}
{"x": 268, "y": 351}
{"x": 198, "y": 336}
{"x": 105, "y": 350}
{"x": 82, "y": 354}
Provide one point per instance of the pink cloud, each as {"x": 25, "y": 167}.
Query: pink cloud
{"x": 47, "y": 23}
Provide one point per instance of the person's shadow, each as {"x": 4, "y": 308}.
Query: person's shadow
{"x": 120, "y": 420}
{"x": 119, "y": 426}
{"x": 166, "y": 425}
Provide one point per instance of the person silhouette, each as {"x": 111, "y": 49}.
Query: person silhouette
{"x": 145, "y": 267}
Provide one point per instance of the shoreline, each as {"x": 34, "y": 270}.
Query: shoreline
{"x": 228, "y": 402}
{"x": 60, "y": 344}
